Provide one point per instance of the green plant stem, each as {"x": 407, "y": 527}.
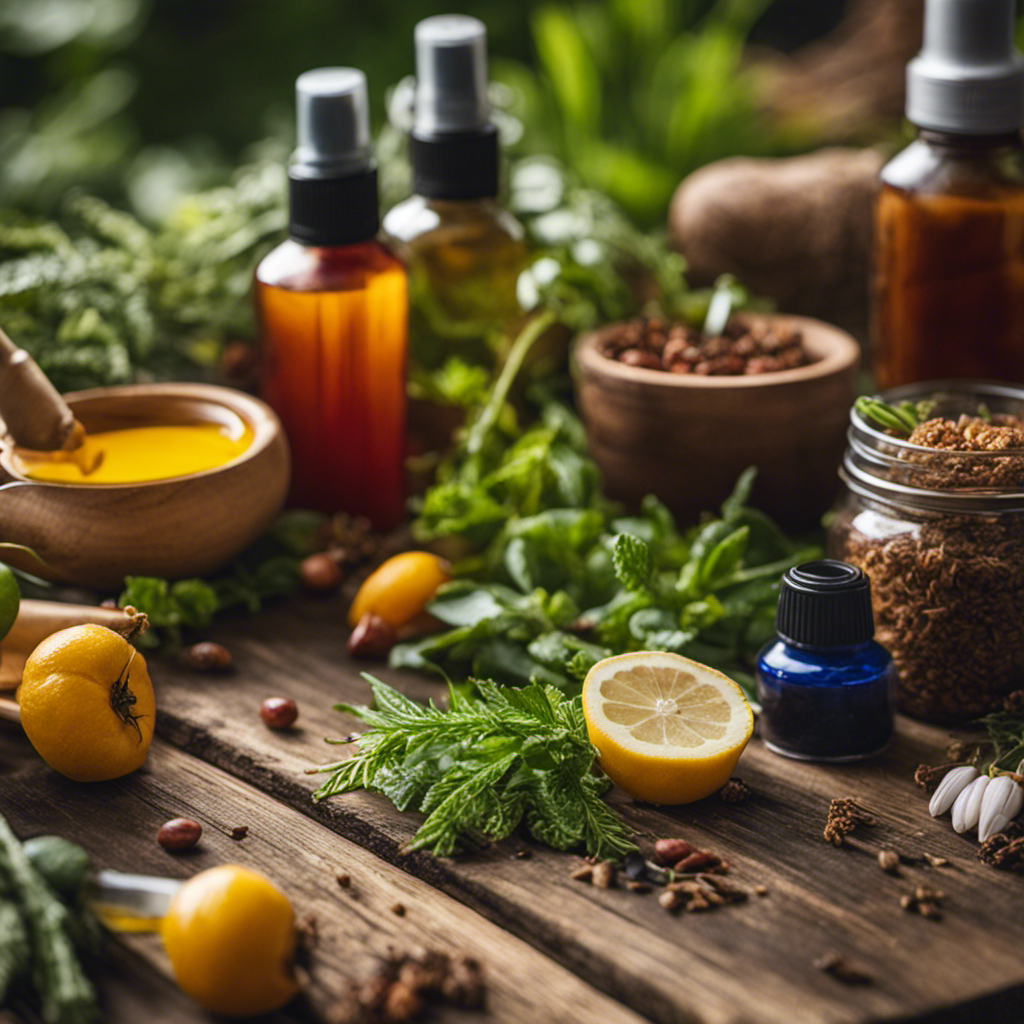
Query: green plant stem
{"x": 482, "y": 425}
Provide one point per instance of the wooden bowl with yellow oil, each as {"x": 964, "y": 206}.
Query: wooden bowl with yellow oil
{"x": 95, "y": 534}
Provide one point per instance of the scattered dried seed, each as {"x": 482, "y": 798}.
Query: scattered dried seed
{"x": 938, "y": 862}
{"x": 343, "y": 879}
{"x": 524, "y": 854}
{"x": 604, "y": 875}
{"x": 179, "y": 834}
{"x": 402, "y": 1003}
{"x": 889, "y": 861}
{"x": 208, "y": 657}
{"x": 842, "y": 970}
{"x": 929, "y": 910}
{"x": 669, "y": 899}
{"x": 634, "y": 886}
{"x": 932, "y": 895}
{"x": 698, "y": 902}
{"x": 698, "y": 861}
{"x": 308, "y": 932}
{"x": 670, "y": 851}
{"x": 583, "y": 874}
{"x": 279, "y": 712}
{"x": 398, "y": 909}
{"x": 732, "y": 893}
{"x": 735, "y": 791}
{"x": 320, "y": 573}
{"x": 372, "y": 638}
{"x": 761, "y": 890}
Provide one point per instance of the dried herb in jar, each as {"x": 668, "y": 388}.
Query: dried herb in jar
{"x": 933, "y": 520}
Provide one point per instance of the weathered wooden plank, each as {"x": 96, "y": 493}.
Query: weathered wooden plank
{"x": 751, "y": 962}
{"x": 117, "y": 823}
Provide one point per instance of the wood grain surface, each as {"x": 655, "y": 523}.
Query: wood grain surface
{"x": 747, "y": 963}
{"x": 356, "y": 927}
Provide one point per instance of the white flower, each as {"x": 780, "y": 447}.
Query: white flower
{"x": 967, "y": 806}
{"x": 953, "y": 783}
{"x": 1001, "y": 803}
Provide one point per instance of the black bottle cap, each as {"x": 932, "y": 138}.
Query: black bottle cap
{"x": 333, "y": 211}
{"x": 456, "y": 165}
{"x": 332, "y": 182}
{"x": 825, "y": 604}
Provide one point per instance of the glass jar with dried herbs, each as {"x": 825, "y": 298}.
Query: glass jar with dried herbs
{"x": 934, "y": 514}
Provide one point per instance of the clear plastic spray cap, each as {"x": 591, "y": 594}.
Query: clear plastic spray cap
{"x": 969, "y": 75}
{"x": 333, "y": 123}
{"x": 451, "y": 75}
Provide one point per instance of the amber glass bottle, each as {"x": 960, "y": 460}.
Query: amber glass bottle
{"x": 333, "y": 315}
{"x": 464, "y": 252}
{"x": 948, "y": 291}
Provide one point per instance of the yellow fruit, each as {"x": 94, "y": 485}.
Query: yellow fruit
{"x": 230, "y": 934}
{"x": 668, "y": 730}
{"x": 401, "y": 588}
{"x": 87, "y": 703}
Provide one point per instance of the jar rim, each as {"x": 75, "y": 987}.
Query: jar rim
{"x": 872, "y": 454}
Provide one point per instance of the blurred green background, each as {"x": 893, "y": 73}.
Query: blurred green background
{"x": 140, "y": 100}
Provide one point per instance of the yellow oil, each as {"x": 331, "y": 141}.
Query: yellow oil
{"x": 119, "y": 920}
{"x": 138, "y": 454}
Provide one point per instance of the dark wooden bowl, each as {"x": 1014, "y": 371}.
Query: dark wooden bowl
{"x": 94, "y": 535}
{"x": 687, "y": 438}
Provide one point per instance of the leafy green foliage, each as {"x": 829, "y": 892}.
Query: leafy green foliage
{"x": 98, "y": 298}
{"x": 560, "y": 580}
{"x": 634, "y": 95}
{"x": 483, "y": 767}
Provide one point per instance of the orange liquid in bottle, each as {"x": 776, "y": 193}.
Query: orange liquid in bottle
{"x": 333, "y": 324}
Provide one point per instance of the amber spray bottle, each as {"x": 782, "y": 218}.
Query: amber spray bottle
{"x": 948, "y": 296}
{"x": 332, "y": 310}
{"x": 464, "y": 251}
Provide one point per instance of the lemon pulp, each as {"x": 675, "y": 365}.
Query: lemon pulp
{"x": 667, "y": 729}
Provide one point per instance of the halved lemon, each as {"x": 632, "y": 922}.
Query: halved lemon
{"x": 668, "y": 730}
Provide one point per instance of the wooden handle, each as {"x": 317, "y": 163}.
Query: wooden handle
{"x": 9, "y": 710}
{"x": 33, "y": 410}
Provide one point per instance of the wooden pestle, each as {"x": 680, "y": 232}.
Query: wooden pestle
{"x": 35, "y": 414}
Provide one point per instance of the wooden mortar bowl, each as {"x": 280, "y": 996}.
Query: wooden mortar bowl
{"x": 687, "y": 438}
{"x": 94, "y": 535}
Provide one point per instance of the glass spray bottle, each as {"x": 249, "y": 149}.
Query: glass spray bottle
{"x": 948, "y": 295}
{"x": 464, "y": 251}
{"x": 332, "y": 310}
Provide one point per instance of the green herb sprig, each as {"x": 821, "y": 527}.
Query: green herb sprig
{"x": 483, "y": 767}
{"x": 904, "y": 417}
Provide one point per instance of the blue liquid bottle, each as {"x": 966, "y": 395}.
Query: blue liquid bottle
{"x": 824, "y": 683}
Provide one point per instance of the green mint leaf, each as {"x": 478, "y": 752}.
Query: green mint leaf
{"x": 632, "y": 560}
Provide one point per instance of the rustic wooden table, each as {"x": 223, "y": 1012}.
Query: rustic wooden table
{"x": 554, "y": 950}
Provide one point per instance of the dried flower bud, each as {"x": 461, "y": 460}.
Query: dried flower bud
{"x": 1000, "y": 804}
{"x": 967, "y": 806}
{"x": 952, "y": 785}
